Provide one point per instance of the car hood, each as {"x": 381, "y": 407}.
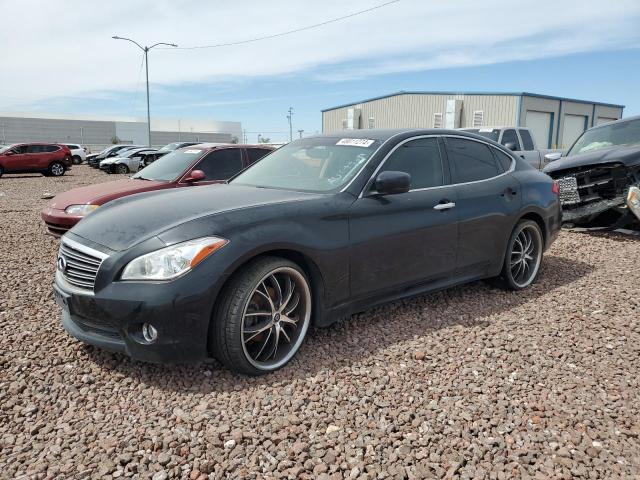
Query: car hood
{"x": 129, "y": 221}
{"x": 101, "y": 193}
{"x": 628, "y": 155}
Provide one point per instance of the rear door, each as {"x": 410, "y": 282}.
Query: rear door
{"x": 488, "y": 198}
{"x": 37, "y": 156}
{"x": 529, "y": 152}
{"x": 407, "y": 238}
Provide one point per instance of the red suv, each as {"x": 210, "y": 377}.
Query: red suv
{"x": 202, "y": 164}
{"x": 49, "y": 159}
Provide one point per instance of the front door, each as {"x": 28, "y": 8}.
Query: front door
{"x": 17, "y": 160}
{"x": 406, "y": 238}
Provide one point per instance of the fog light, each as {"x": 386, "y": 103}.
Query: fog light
{"x": 149, "y": 333}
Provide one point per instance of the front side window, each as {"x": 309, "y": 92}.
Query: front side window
{"x": 472, "y": 160}
{"x": 509, "y": 136}
{"x": 171, "y": 166}
{"x": 609, "y": 135}
{"x": 316, "y": 164}
{"x": 419, "y": 158}
{"x": 221, "y": 164}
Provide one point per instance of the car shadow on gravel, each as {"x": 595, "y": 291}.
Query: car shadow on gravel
{"x": 351, "y": 341}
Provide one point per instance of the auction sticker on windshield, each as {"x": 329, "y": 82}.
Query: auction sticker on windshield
{"x": 192, "y": 151}
{"x": 355, "y": 142}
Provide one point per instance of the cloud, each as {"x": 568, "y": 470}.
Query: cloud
{"x": 77, "y": 57}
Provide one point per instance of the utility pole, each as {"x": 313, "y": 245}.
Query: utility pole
{"x": 4, "y": 138}
{"x": 179, "y": 133}
{"x": 258, "y": 138}
{"x": 146, "y": 49}
{"x": 290, "y": 118}
{"x": 81, "y": 136}
{"x": 244, "y": 136}
{"x": 300, "y": 132}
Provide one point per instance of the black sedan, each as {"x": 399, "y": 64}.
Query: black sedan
{"x": 321, "y": 228}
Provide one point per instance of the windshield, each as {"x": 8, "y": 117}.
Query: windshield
{"x": 322, "y": 164}
{"x": 4, "y": 149}
{"x": 613, "y": 134}
{"x": 171, "y": 166}
{"x": 490, "y": 133}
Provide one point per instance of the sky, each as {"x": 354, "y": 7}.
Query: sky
{"x": 580, "y": 49}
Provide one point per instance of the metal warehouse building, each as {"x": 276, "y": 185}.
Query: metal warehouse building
{"x": 555, "y": 122}
{"x": 97, "y": 132}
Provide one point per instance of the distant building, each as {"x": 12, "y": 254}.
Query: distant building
{"x": 555, "y": 122}
{"x": 97, "y": 132}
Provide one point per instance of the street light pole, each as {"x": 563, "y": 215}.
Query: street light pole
{"x": 290, "y": 118}
{"x": 300, "y": 132}
{"x": 146, "y": 49}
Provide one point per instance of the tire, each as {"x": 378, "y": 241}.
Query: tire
{"x": 56, "y": 169}
{"x": 76, "y": 160}
{"x": 523, "y": 256}
{"x": 251, "y": 343}
{"x": 121, "y": 169}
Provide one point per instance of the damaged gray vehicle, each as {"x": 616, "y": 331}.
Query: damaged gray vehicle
{"x": 600, "y": 176}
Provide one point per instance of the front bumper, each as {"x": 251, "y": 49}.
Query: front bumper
{"x": 58, "y": 222}
{"x": 112, "y": 318}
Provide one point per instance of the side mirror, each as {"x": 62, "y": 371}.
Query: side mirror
{"x": 195, "y": 176}
{"x": 390, "y": 183}
{"x": 511, "y": 146}
{"x": 552, "y": 157}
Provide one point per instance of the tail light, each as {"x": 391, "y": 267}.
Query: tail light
{"x": 556, "y": 187}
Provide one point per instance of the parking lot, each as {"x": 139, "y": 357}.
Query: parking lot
{"x": 473, "y": 382}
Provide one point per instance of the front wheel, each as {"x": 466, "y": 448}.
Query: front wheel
{"x": 122, "y": 169}
{"x": 523, "y": 257}
{"x": 1, "y": 170}
{"x": 262, "y": 317}
{"x": 56, "y": 169}
{"x": 76, "y": 160}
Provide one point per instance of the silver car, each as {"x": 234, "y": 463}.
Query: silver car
{"x": 128, "y": 162}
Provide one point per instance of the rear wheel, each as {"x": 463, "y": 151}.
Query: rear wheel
{"x": 122, "y": 169}
{"x": 523, "y": 257}
{"x": 262, "y": 317}
{"x": 56, "y": 169}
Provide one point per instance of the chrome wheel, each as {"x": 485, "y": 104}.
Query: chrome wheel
{"x": 57, "y": 169}
{"x": 526, "y": 254}
{"x": 276, "y": 318}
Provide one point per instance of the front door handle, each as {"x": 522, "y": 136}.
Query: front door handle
{"x": 444, "y": 206}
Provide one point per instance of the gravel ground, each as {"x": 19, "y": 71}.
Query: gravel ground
{"x": 472, "y": 382}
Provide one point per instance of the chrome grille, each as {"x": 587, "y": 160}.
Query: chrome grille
{"x": 79, "y": 264}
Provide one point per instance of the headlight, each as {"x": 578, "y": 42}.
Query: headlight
{"x": 80, "y": 210}
{"x": 171, "y": 262}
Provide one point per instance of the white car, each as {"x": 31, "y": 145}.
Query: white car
{"x": 78, "y": 153}
{"x": 129, "y": 161}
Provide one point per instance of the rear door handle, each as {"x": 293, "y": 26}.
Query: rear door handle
{"x": 444, "y": 206}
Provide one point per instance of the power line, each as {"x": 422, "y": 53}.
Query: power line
{"x": 288, "y": 32}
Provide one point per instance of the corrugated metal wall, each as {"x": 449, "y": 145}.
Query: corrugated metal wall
{"x": 417, "y": 111}
{"x": 96, "y": 134}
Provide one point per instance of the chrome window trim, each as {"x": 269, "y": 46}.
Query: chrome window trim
{"x": 511, "y": 168}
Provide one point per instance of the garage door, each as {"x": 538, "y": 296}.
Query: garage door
{"x": 574, "y": 125}
{"x": 540, "y": 125}
{"x": 602, "y": 120}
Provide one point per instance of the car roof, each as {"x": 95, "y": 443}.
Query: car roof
{"x": 384, "y": 134}
{"x": 212, "y": 145}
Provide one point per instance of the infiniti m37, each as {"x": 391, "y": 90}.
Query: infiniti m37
{"x": 317, "y": 230}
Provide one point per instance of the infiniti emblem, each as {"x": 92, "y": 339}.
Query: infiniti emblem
{"x": 62, "y": 264}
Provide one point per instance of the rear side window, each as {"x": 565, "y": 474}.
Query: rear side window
{"x": 420, "y": 159}
{"x": 35, "y": 148}
{"x": 51, "y": 148}
{"x": 256, "y": 154}
{"x": 472, "y": 160}
{"x": 527, "y": 141}
{"x": 509, "y": 136}
{"x": 503, "y": 159}
{"x": 221, "y": 164}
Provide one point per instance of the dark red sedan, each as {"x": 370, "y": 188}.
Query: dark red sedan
{"x": 202, "y": 164}
{"x": 49, "y": 159}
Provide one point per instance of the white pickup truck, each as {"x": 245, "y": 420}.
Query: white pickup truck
{"x": 520, "y": 141}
